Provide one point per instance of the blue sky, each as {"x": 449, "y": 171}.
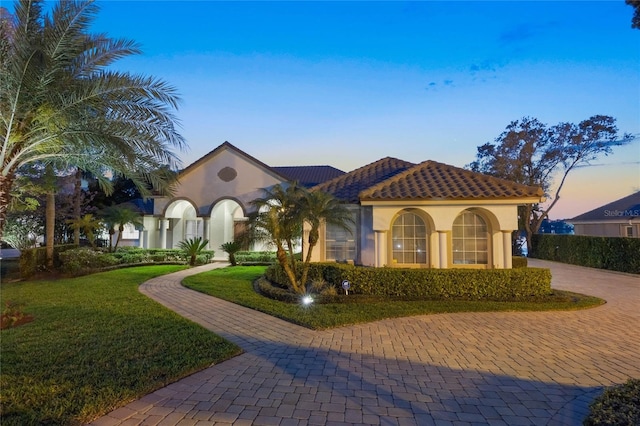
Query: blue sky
{"x": 347, "y": 83}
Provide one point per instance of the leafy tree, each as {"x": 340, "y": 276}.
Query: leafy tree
{"x": 193, "y": 247}
{"x": 281, "y": 213}
{"x": 21, "y": 231}
{"x": 231, "y": 248}
{"x": 532, "y": 153}
{"x": 119, "y": 216}
{"x": 635, "y": 21}
{"x": 61, "y": 104}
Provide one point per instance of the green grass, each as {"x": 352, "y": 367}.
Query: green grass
{"x": 96, "y": 343}
{"x": 235, "y": 285}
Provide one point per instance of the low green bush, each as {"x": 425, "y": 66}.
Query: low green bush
{"x": 519, "y": 262}
{"x": 34, "y": 260}
{"x": 463, "y": 284}
{"x": 255, "y": 257}
{"x": 618, "y": 405}
{"x": 83, "y": 260}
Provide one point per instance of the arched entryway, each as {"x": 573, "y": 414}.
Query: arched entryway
{"x": 180, "y": 223}
{"x": 227, "y": 223}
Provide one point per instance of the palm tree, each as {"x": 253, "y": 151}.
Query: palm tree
{"x": 193, "y": 247}
{"x": 320, "y": 207}
{"x": 231, "y": 248}
{"x": 61, "y": 105}
{"x": 119, "y": 216}
{"x": 87, "y": 224}
{"x": 282, "y": 211}
{"x": 278, "y": 220}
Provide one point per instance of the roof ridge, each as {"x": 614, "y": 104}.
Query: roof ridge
{"x": 432, "y": 179}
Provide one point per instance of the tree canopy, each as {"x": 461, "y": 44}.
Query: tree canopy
{"x": 532, "y": 153}
{"x": 61, "y": 104}
{"x": 635, "y": 21}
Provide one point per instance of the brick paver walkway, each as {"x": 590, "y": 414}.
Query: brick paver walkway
{"x": 510, "y": 368}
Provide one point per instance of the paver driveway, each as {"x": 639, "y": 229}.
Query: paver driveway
{"x": 513, "y": 368}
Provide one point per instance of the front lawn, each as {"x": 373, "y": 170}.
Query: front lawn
{"x": 235, "y": 284}
{"x": 95, "y": 344}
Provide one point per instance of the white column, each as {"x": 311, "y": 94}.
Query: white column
{"x": 381, "y": 248}
{"x": 141, "y": 238}
{"x": 163, "y": 233}
{"x": 443, "y": 249}
{"x": 506, "y": 249}
{"x": 205, "y": 230}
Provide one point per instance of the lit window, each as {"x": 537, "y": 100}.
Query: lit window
{"x": 470, "y": 240}
{"x": 629, "y": 231}
{"x": 409, "y": 239}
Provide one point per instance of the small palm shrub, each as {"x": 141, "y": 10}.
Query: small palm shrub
{"x": 231, "y": 248}
{"x": 192, "y": 248}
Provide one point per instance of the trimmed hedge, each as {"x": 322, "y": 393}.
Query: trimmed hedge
{"x": 618, "y": 405}
{"x": 613, "y": 253}
{"x": 467, "y": 284}
{"x": 85, "y": 260}
{"x": 255, "y": 257}
{"x": 519, "y": 262}
{"x": 34, "y": 260}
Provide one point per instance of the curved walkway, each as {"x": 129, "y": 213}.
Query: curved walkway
{"x": 509, "y": 368}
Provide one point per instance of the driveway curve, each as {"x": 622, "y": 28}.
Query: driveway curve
{"x": 507, "y": 368}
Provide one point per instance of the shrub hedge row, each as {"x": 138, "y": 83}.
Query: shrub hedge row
{"x": 255, "y": 257}
{"x": 34, "y": 260}
{"x": 467, "y": 284}
{"x": 72, "y": 260}
{"x": 613, "y": 253}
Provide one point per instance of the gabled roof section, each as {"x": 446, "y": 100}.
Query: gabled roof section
{"x": 348, "y": 186}
{"x": 623, "y": 209}
{"x": 228, "y": 146}
{"x": 431, "y": 180}
{"x": 309, "y": 176}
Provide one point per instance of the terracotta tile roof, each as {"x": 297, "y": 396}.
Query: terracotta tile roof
{"x": 348, "y": 186}
{"x": 623, "y": 209}
{"x": 431, "y": 180}
{"x": 309, "y": 176}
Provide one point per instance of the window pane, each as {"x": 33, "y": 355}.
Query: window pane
{"x": 409, "y": 239}
{"x": 470, "y": 243}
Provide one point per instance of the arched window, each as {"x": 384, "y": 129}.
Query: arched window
{"x": 409, "y": 239}
{"x": 470, "y": 240}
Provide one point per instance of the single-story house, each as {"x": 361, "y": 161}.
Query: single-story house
{"x": 428, "y": 214}
{"x": 620, "y": 218}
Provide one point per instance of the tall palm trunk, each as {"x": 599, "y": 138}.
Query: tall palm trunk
{"x": 314, "y": 235}
{"x": 50, "y": 220}
{"x": 6, "y": 182}
{"x": 77, "y": 205}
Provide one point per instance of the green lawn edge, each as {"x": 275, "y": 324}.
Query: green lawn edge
{"x": 235, "y": 284}
{"x": 96, "y": 343}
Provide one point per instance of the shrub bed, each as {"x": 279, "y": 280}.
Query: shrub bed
{"x": 519, "y": 262}
{"x": 618, "y": 405}
{"x": 464, "y": 284}
{"x": 255, "y": 257}
{"x": 34, "y": 260}
{"x": 84, "y": 260}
